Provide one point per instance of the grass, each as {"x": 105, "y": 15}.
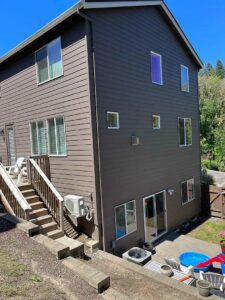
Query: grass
{"x": 209, "y": 231}
{"x": 18, "y": 280}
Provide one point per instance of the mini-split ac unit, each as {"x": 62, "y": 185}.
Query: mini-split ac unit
{"x": 75, "y": 205}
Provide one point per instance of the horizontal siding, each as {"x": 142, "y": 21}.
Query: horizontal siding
{"x": 123, "y": 39}
{"x": 24, "y": 101}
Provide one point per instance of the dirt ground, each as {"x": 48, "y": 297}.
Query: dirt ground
{"x": 29, "y": 271}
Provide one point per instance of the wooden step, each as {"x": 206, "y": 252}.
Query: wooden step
{"x": 32, "y": 199}
{"x": 55, "y": 234}
{"x": 48, "y": 227}
{"x": 37, "y": 205}
{"x": 25, "y": 187}
{"x": 27, "y": 193}
{"x": 43, "y": 220}
{"x": 38, "y": 213}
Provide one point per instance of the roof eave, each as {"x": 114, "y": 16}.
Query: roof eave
{"x": 67, "y": 14}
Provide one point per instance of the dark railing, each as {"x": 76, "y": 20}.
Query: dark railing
{"x": 11, "y": 196}
{"x": 47, "y": 192}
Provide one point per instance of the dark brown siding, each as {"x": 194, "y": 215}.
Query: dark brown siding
{"x": 123, "y": 39}
{"x": 23, "y": 101}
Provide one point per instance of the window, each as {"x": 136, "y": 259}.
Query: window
{"x": 185, "y": 131}
{"x": 184, "y": 79}
{"x": 49, "y": 61}
{"x": 56, "y": 136}
{"x": 156, "y": 122}
{"x": 113, "y": 120}
{"x": 156, "y": 68}
{"x": 38, "y": 141}
{"x": 125, "y": 219}
{"x": 187, "y": 191}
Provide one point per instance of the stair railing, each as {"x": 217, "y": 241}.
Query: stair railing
{"x": 11, "y": 197}
{"x": 47, "y": 192}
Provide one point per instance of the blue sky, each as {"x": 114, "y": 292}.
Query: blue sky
{"x": 202, "y": 21}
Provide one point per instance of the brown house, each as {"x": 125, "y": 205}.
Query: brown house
{"x": 109, "y": 90}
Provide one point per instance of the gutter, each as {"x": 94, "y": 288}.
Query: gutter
{"x": 90, "y": 33}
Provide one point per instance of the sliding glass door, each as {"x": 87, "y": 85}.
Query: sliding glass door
{"x": 154, "y": 216}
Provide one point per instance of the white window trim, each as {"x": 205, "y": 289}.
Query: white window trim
{"x": 56, "y": 155}
{"x": 159, "y": 127}
{"x": 36, "y": 67}
{"x": 124, "y": 204}
{"x": 36, "y": 121}
{"x": 189, "y": 200}
{"x": 185, "y": 67}
{"x": 160, "y": 56}
{"x": 118, "y": 120}
{"x": 186, "y": 145}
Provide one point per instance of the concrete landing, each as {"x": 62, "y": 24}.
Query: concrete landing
{"x": 61, "y": 251}
{"x": 76, "y": 247}
{"x": 92, "y": 276}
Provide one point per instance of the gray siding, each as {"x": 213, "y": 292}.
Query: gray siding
{"x": 23, "y": 101}
{"x": 123, "y": 39}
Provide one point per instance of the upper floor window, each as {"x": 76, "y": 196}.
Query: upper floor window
{"x": 38, "y": 140}
{"x": 156, "y": 68}
{"x": 49, "y": 61}
{"x": 185, "y": 131}
{"x": 113, "y": 120}
{"x": 56, "y": 136}
{"x": 125, "y": 219}
{"x": 156, "y": 122}
{"x": 184, "y": 79}
{"x": 187, "y": 191}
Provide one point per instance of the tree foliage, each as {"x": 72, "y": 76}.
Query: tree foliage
{"x": 212, "y": 113}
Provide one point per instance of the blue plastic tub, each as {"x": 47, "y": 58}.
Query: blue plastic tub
{"x": 193, "y": 259}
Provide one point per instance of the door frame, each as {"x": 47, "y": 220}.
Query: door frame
{"x": 165, "y": 213}
{"x": 7, "y": 142}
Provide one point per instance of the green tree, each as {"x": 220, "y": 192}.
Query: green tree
{"x": 220, "y": 72}
{"x": 212, "y": 114}
{"x": 209, "y": 70}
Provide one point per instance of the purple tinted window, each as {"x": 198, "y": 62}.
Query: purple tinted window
{"x": 156, "y": 68}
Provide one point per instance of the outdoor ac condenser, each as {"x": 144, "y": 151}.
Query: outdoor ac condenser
{"x": 75, "y": 205}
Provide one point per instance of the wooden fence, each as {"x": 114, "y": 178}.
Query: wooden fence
{"x": 213, "y": 201}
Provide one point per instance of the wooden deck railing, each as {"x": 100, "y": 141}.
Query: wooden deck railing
{"x": 45, "y": 189}
{"x": 43, "y": 163}
{"x": 11, "y": 196}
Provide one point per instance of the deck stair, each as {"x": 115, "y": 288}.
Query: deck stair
{"x": 39, "y": 214}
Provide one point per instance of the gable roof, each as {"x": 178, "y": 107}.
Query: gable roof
{"x": 91, "y": 4}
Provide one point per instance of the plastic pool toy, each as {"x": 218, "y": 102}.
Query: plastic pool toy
{"x": 193, "y": 259}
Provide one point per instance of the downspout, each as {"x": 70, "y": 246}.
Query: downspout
{"x": 89, "y": 20}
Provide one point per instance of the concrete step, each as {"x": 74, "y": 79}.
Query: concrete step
{"x": 48, "y": 227}
{"x": 43, "y": 220}
{"x": 54, "y": 247}
{"x": 55, "y": 234}
{"x": 38, "y": 213}
{"x": 92, "y": 276}
{"x": 37, "y": 205}
{"x": 76, "y": 247}
{"x": 27, "y": 193}
{"x": 25, "y": 187}
{"x": 32, "y": 199}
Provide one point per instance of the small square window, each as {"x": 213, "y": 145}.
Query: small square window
{"x": 184, "y": 79}
{"x": 113, "y": 120}
{"x": 156, "y": 68}
{"x": 156, "y": 122}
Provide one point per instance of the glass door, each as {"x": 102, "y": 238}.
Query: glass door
{"x": 154, "y": 216}
{"x": 11, "y": 149}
